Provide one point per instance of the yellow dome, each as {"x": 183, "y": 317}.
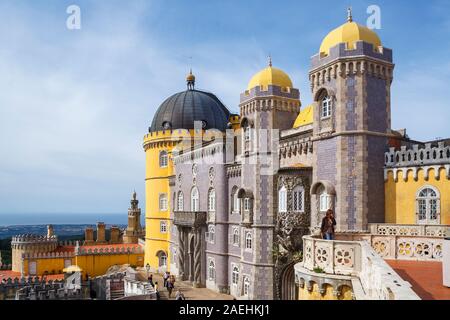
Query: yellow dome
{"x": 270, "y": 76}
{"x": 304, "y": 117}
{"x": 349, "y": 33}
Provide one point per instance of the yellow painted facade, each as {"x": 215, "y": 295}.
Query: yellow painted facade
{"x": 46, "y": 265}
{"x": 401, "y": 195}
{"x": 97, "y": 264}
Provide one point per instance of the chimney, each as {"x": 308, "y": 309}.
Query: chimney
{"x": 101, "y": 232}
{"x": 50, "y": 232}
{"x": 88, "y": 235}
{"x": 115, "y": 235}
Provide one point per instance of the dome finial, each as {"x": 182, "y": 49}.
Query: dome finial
{"x": 349, "y": 14}
{"x": 270, "y": 60}
{"x": 190, "y": 79}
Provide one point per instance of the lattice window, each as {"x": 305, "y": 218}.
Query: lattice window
{"x": 212, "y": 200}
{"x": 246, "y": 286}
{"x": 235, "y": 275}
{"x": 212, "y": 270}
{"x": 180, "y": 201}
{"x": 428, "y": 206}
{"x": 298, "y": 199}
{"x": 163, "y": 159}
{"x": 326, "y": 107}
{"x": 248, "y": 240}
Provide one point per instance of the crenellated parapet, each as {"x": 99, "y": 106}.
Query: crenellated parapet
{"x": 34, "y": 242}
{"x": 410, "y": 161}
{"x": 295, "y": 146}
{"x": 418, "y": 156}
{"x": 48, "y": 255}
{"x": 80, "y": 251}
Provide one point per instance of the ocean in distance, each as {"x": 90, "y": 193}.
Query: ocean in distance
{"x": 64, "y": 218}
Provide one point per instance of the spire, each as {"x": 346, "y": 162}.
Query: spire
{"x": 349, "y": 14}
{"x": 134, "y": 201}
{"x": 190, "y": 80}
{"x": 270, "y": 60}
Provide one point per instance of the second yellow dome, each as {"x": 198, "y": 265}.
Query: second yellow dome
{"x": 270, "y": 76}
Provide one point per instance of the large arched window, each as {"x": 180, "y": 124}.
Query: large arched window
{"x": 282, "y": 199}
{"x": 180, "y": 201}
{"x": 211, "y": 233}
{"x": 211, "y": 271}
{"x": 236, "y": 236}
{"x": 163, "y": 159}
{"x": 212, "y": 200}
{"x": 248, "y": 240}
{"x": 325, "y": 110}
{"x": 298, "y": 199}
{"x": 235, "y": 275}
{"x": 324, "y": 203}
{"x": 236, "y": 202}
{"x": 194, "y": 199}
{"x": 428, "y": 206}
{"x": 162, "y": 258}
{"x": 246, "y": 286}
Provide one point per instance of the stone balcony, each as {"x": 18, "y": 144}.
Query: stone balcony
{"x": 352, "y": 264}
{"x": 189, "y": 218}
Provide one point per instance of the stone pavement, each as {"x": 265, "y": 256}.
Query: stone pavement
{"x": 424, "y": 276}
{"x": 186, "y": 288}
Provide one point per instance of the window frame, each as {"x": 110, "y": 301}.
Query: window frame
{"x": 326, "y": 104}
{"x": 299, "y": 189}
{"x": 430, "y": 203}
{"x": 282, "y": 199}
{"x": 163, "y": 197}
{"x": 211, "y": 270}
{"x": 235, "y": 275}
{"x": 211, "y": 200}
{"x": 195, "y": 202}
{"x": 248, "y": 240}
{"x": 180, "y": 201}
{"x": 163, "y": 159}
{"x": 163, "y": 226}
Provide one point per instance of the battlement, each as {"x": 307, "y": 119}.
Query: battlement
{"x": 361, "y": 49}
{"x": 33, "y": 238}
{"x": 79, "y": 251}
{"x": 290, "y": 93}
{"x": 418, "y": 156}
{"x": 48, "y": 255}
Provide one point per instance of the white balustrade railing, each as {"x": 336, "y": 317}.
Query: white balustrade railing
{"x": 356, "y": 259}
{"x": 428, "y": 230}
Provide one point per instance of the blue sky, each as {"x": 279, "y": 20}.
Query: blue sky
{"x": 74, "y": 105}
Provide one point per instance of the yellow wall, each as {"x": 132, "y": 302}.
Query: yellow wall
{"x": 314, "y": 294}
{"x": 43, "y": 265}
{"x": 96, "y": 265}
{"x": 401, "y": 196}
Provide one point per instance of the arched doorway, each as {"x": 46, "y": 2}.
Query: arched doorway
{"x": 289, "y": 290}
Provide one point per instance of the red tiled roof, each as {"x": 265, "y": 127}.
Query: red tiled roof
{"x": 65, "y": 249}
{"x": 5, "y": 274}
{"x": 424, "y": 276}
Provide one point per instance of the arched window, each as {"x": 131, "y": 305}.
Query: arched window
{"x": 162, "y": 258}
{"x": 246, "y": 286}
{"x": 235, "y": 275}
{"x": 282, "y": 199}
{"x": 211, "y": 200}
{"x": 211, "y": 271}
{"x": 163, "y": 159}
{"x": 211, "y": 233}
{"x": 236, "y": 236}
{"x": 194, "y": 199}
{"x": 428, "y": 206}
{"x": 163, "y": 202}
{"x": 247, "y": 204}
{"x": 180, "y": 201}
{"x": 326, "y": 107}
{"x": 236, "y": 202}
{"x": 248, "y": 240}
{"x": 323, "y": 199}
{"x": 298, "y": 199}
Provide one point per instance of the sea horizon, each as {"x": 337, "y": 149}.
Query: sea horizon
{"x": 25, "y": 219}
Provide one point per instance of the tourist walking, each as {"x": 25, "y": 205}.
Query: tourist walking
{"x": 150, "y": 280}
{"x": 170, "y": 287}
{"x": 166, "y": 276}
{"x": 158, "y": 297}
{"x": 327, "y": 227}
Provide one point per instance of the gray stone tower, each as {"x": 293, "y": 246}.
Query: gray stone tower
{"x": 270, "y": 104}
{"x": 134, "y": 231}
{"x": 350, "y": 82}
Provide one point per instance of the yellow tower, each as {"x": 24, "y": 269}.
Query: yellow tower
{"x": 175, "y": 121}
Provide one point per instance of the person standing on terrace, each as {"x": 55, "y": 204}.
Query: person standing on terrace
{"x": 327, "y": 227}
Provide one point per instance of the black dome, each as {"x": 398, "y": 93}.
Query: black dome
{"x": 182, "y": 109}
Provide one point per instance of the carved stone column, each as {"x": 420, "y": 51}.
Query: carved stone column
{"x": 181, "y": 252}
{"x": 197, "y": 256}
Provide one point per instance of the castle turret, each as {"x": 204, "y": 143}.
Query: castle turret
{"x": 134, "y": 230}
{"x": 350, "y": 79}
{"x": 88, "y": 236}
